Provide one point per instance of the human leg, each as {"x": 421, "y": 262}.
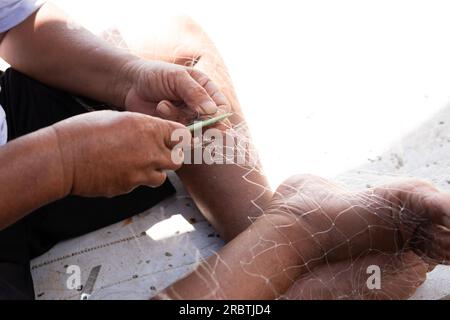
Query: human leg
{"x": 228, "y": 195}
{"x": 315, "y": 234}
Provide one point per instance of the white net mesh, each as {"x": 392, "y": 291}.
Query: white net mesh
{"x": 377, "y": 243}
{"x": 364, "y": 244}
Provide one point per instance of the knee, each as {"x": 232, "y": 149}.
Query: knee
{"x": 193, "y": 35}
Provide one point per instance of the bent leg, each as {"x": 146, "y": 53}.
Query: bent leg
{"x": 401, "y": 275}
{"x": 292, "y": 247}
{"x": 228, "y": 195}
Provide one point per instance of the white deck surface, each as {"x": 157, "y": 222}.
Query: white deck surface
{"x": 345, "y": 81}
{"x": 138, "y": 257}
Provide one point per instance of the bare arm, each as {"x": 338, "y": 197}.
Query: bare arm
{"x": 46, "y": 48}
{"x": 31, "y": 175}
{"x": 63, "y": 159}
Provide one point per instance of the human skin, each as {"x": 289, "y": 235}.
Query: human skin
{"x": 129, "y": 150}
{"x": 229, "y": 196}
{"x": 311, "y": 223}
{"x": 46, "y": 48}
{"x": 72, "y": 59}
{"x": 401, "y": 274}
{"x": 119, "y": 94}
{"x": 185, "y": 43}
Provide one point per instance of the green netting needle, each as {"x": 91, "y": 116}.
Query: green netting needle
{"x": 209, "y": 122}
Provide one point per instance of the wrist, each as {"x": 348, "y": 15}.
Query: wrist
{"x": 123, "y": 81}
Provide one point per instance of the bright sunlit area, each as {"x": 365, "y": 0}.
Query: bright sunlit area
{"x": 354, "y": 91}
{"x": 325, "y": 84}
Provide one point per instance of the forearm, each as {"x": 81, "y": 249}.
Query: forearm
{"x": 46, "y": 48}
{"x": 31, "y": 175}
{"x": 261, "y": 263}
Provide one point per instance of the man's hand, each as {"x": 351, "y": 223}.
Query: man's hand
{"x": 171, "y": 92}
{"x": 45, "y": 48}
{"x": 110, "y": 153}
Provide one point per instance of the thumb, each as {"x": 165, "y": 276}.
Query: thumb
{"x": 176, "y": 134}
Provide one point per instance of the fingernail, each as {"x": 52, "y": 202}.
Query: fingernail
{"x": 446, "y": 221}
{"x": 164, "y": 109}
{"x": 209, "y": 108}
